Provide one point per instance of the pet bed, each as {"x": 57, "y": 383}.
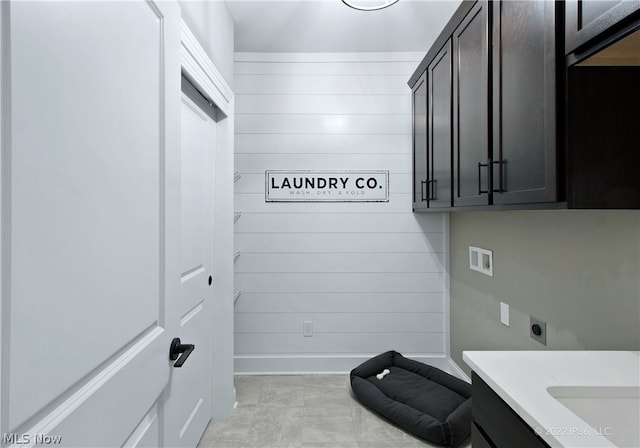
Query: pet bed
{"x": 424, "y": 400}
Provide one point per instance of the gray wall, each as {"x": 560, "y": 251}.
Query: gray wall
{"x": 370, "y": 276}
{"x": 212, "y": 24}
{"x": 578, "y": 270}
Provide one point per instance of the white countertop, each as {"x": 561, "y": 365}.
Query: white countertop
{"x": 521, "y": 379}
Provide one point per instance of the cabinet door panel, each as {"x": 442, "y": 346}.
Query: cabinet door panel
{"x": 478, "y": 440}
{"x": 420, "y": 144}
{"x": 470, "y": 96}
{"x": 587, "y": 19}
{"x": 440, "y": 92}
{"x": 501, "y": 424}
{"x": 603, "y": 137}
{"x": 524, "y": 102}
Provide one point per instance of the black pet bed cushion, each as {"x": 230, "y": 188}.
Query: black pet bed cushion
{"x": 422, "y": 399}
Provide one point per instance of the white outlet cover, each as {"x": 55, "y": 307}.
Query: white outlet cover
{"x": 481, "y": 260}
{"x": 504, "y": 313}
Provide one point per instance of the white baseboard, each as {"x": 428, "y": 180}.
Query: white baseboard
{"x": 309, "y": 365}
{"x": 457, "y": 371}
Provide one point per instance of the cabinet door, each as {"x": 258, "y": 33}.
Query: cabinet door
{"x": 420, "y": 144}
{"x": 471, "y": 109}
{"x": 478, "y": 440}
{"x": 603, "y": 138}
{"x": 440, "y": 125}
{"x": 524, "y": 102}
{"x": 497, "y": 422}
{"x": 586, "y": 19}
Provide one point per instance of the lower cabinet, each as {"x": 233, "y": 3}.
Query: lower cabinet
{"x": 495, "y": 424}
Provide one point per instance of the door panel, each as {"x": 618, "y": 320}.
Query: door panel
{"x": 147, "y": 434}
{"x": 440, "y": 125}
{"x": 188, "y": 408}
{"x": 471, "y": 108}
{"x": 524, "y": 144}
{"x": 84, "y": 304}
{"x": 420, "y": 144}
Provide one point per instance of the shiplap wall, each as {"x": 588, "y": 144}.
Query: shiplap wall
{"x": 370, "y": 276}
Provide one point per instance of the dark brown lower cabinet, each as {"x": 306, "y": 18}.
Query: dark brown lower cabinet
{"x": 495, "y": 424}
{"x": 478, "y": 439}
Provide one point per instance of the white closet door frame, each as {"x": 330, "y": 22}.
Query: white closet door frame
{"x": 198, "y": 68}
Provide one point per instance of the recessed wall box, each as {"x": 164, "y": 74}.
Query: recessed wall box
{"x": 538, "y": 330}
{"x": 481, "y": 260}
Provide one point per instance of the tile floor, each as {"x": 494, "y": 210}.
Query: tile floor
{"x": 303, "y": 411}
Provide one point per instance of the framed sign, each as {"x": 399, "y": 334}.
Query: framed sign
{"x": 327, "y": 186}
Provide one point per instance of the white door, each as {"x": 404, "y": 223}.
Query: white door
{"x": 188, "y": 407}
{"x": 90, "y": 219}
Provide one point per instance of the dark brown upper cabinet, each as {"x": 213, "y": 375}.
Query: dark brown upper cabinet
{"x": 603, "y": 93}
{"x": 492, "y": 105}
{"x": 440, "y": 122}
{"x": 420, "y": 144}
{"x": 590, "y": 19}
{"x": 439, "y": 74}
{"x": 471, "y": 157}
{"x": 524, "y": 102}
{"x": 532, "y": 104}
{"x": 432, "y": 127}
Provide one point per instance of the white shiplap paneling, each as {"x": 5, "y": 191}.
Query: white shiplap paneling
{"x": 322, "y": 124}
{"x": 338, "y": 222}
{"x": 321, "y": 84}
{"x": 294, "y": 282}
{"x": 340, "y": 322}
{"x": 258, "y": 163}
{"x": 335, "y": 68}
{"x": 334, "y": 144}
{"x": 356, "y": 302}
{"x": 325, "y": 104}
{"x": 340, "y": 262}
{"x": 336, "y": 242}
{"x": 370, "y": 276}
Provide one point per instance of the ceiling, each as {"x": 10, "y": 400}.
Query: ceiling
{"x": 331, "y": 26}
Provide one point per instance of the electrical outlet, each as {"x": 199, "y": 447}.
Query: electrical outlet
{"x": 538, "y": 330}
{"x": 504, "y": 313}
{"x": 307, "y": 328}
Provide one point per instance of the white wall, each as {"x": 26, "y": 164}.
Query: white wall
{"x": 212, "y": 24}
{"x": 369, "y": 275}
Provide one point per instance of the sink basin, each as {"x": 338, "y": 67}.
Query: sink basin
{"x": 612, "y": 412}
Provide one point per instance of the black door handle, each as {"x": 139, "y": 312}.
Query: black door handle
{"x": 182, "y": 350}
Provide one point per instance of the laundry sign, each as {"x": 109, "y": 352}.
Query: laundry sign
{"x": 327, "y": 186}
